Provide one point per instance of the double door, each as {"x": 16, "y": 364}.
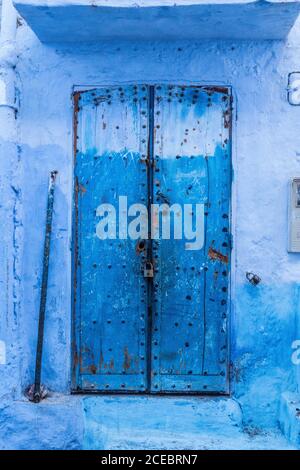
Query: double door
{"x": 151, "y": 247}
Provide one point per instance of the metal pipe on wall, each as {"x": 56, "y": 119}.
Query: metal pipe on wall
{"x": 9, "y": 198}
{"x": 8, "y": 59}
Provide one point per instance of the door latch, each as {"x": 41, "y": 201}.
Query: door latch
{"x": 148, "y": 269}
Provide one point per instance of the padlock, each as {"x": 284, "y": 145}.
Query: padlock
{"x": 148, "y": 269}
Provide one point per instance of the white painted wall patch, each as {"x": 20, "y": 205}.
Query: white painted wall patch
{"x": 2, "y": 353}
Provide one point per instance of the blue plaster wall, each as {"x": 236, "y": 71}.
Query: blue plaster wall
{"x": 149, "y": 19}
{"x": 266, "y": 153}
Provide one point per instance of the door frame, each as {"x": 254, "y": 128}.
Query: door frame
{"x": 75, "y": 317}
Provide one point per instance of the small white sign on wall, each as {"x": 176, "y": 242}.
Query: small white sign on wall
{"x": 294, "y": 216}
{"x": 2, "y": 353}
{"x": 294, "y": 88}
{"x": 2, "y": 92}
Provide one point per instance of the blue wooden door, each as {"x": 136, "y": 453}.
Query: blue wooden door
{"x": 150, "y": 312}
{"x": 190, "y": 308}
{"x": 111, "y": 293}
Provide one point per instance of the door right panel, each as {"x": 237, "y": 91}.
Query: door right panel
{"x": 192, "y": 165}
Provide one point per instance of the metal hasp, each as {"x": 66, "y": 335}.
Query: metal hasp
{"x": 151, "y": 314}
{"x": 38, "y": 390}
{"x": 254, "y": 279}
{"x": 83, "y": 21}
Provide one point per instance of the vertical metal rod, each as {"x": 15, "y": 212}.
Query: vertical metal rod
{"x": 150, "y": 245}
{"x": 37, "y": 394}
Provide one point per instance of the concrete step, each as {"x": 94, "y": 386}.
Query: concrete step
{"x": 173, "y": 423}
{"x": 98, "y": 422}
{"x": 156, "y": 421}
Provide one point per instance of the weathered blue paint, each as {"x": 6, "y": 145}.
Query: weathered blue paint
{"x": 266, "y": 142}
{"x": 111, "y": 299}
{"x": 192, "y": 166}
{"x": 179, "y": 314}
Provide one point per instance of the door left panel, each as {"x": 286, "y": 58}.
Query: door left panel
{"x": 110, "y": 295}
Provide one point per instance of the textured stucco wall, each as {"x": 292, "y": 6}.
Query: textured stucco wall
{"x": 266, "y": 153}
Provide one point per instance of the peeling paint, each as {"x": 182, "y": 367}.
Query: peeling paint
{"x": 217, "y": 255}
